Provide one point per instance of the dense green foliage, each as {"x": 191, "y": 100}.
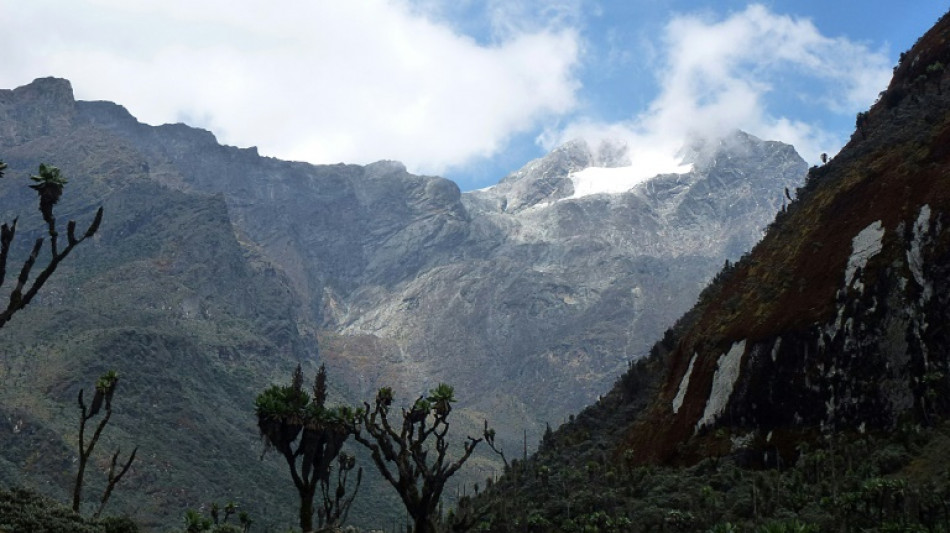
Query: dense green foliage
{"x": 218, "y": 521}
{"x": 847, "y": 483}
{"x": 23, "y": 510}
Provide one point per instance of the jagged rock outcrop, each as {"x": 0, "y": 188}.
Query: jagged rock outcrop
{"x": 535, "y": 299}
{"x": 550, "y": 301}
{"x": 548, "y": 179}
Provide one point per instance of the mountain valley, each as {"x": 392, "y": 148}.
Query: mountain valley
{"x": 217, "y": 270}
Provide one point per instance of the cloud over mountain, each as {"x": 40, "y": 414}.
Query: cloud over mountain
{"x": 718, "y": 75}
{"x": 447, "y": 86}
{"x": 315, "y": 81}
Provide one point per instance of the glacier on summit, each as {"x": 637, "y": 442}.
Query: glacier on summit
{"x": 644, "y": 165}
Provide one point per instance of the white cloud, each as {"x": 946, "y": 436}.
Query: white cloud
{"x": 513, "y": 17}
{"x": 315, "y": 81}
{"x": 718, "y": 76}
{"x": 359, "y": 81}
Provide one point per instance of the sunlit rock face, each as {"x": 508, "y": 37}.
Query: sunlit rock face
{"x": 532, "y": 298}
{"x": 550, "y": 296}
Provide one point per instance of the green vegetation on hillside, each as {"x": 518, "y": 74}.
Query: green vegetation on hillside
{"x": 139, "y": 298}
{"x": 23, "y": 510}
{"x": 854, "y": 482}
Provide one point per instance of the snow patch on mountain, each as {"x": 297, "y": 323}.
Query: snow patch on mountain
{"x": 597, "y": 180}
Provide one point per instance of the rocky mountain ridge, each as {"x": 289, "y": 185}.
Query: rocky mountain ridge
{"x": 218, "y": 266}
{"x": 373, "y": 251}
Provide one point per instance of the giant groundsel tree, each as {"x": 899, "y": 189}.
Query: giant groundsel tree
{"x": 48, "y": 184}
{"x": 412, "y": 455}
{"x": 306, "y": 433}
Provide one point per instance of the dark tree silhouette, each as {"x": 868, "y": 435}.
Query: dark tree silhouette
{"x": 860, "y": 121}
{"x": 49, "y": 186}
{"x": 307, "y": 434}
{"x": 402, "y": 452}
{"x": 335, "y": 505}
{"x": 105, "y": 389}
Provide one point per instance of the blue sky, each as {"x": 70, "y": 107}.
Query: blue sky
{"x": 620, "y": 66}
{"x": 472, "y": 90}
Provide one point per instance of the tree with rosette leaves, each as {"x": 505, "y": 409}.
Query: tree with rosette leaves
{"x": 49, "y": 186}
{"x": 412, "y": 456}
{"x": 305, "y": 432}
{"x": 105, "y": 389}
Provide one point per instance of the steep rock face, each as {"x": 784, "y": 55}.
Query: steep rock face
{"x": 44, "y": 107}
{"x": 835, "y": 320}
{"x": 534, "y": 299}
{"x": 193, "y": 316}
{"x": 214, "y": 260}
{"x": 332, "y": 228}
{"x": 549, "y": 301}
{"x": 548, "y": 179}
